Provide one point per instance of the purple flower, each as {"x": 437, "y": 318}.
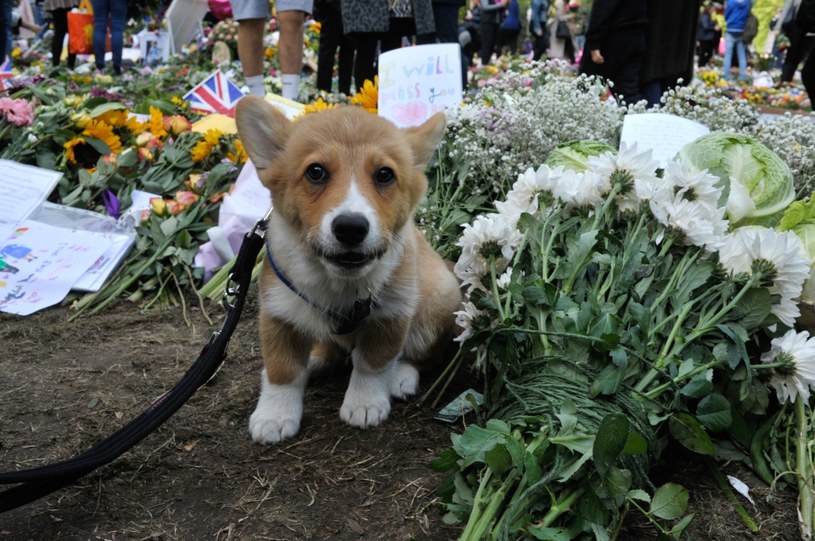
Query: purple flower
{"x": 112, "y": 203}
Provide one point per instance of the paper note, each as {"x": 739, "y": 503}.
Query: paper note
{"x": 39, "y": 264}
{"x": 661, "y": 133}
{"x": 417, "y": 82}
{"x": 22, "y": 189}
{"x": 119, "y": 236}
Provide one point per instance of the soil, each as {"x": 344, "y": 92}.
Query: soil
{"x": 65, "y": 385}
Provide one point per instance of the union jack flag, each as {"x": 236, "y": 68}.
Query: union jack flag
{"x": 216, "y": 94}
{"x": 5, "y": 73}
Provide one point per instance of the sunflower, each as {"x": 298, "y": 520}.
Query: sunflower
{"x": 203, "y": 148}
{"x": 103, "y": 132}
{"x": 368, "y": 95}
{"x": 69, "y": 148}
{"x": 317, "y": 106}
{"x": 156, "y": 123}
{"x": 239, "y": 155}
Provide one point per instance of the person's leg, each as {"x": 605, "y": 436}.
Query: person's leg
{"x": 808, "y": 77}
{"x": 330, "y": 36}
{"x": 795, "y": 52}
{"x": 60, "y": 18}
{"x": 366, "y": 56}
{"x": 251, "y": 16}
{"x": 488, "y": 33}
{"x": 101, "y": 12}
{"x": 348, "y": 47}
{"x": 290, "y": 46}
{"x": 741, "y": 52}
{"x": 118, "y": 15}
{"x": 729, "y": 42}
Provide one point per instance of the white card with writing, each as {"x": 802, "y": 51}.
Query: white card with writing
{"x": 662, "y": 133}
{"x": 417, "y": 82}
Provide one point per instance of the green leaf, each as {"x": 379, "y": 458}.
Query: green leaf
{"x": 549, "y": 534}
{"x": 753, "y": 308}
{"x": 714, "y": 412}
{"x": 105, "y": 107}
{"x": 640, "y": 495}
{"x": 699, "y": 385}
{"x": 169, "y": 226}
{"x": 689, "y": 432}
{"x": 498, "y": 460}
{"x": 679, "y": 528}
{"x": 669, "y": 502}
{"x": 98, "y": 145}
{"x": 446, "y": 461}
{"x": 474, "y": 443}
{"x": 635, "y": 444}
{"x": 610, "y": 441}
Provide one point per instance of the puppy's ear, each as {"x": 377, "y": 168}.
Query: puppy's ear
{"x": 262, "y": 128}
{"x": 425, "y": 138}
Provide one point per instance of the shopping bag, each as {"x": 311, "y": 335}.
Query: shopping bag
{"x": 80, "y": 30}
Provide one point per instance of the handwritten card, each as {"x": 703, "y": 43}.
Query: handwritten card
{"x": 417, "y": 82}
{"x": 22, "y": 189}
{"x": 39, "y": 264}
{"x": 662, "y": 133}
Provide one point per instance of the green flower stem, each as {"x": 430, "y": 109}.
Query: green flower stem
{"x": 664, "y": 355}
{"x": 703, "y": 327}
{"x": 803, "y": 468}
{"x": 561, "y": 507}
{"x": 475, "y": 514}
{"x": 479, "y": 533}
{"x": 724, "y": 486}
{"x": 656, "y": 391}
{"x": 494, "y": 287}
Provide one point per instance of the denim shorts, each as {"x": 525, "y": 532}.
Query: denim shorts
{"x": 260, "y": 9}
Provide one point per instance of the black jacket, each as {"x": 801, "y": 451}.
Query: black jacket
{"x": 805, "y": 18}
{"x": 617, "y": 16}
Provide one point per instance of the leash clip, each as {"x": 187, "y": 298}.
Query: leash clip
{"x": 232, "y": 287}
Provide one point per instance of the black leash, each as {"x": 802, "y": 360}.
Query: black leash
{"x": 38, "y": 482}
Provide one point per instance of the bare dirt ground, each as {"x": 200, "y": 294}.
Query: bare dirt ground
{"x": 65, "y": 385}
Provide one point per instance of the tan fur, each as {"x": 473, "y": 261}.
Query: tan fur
{"x": 352, "y": 145}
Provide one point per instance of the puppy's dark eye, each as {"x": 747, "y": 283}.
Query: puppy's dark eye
{"x": 316, "y": 174}
{"x": 384, "y": 176}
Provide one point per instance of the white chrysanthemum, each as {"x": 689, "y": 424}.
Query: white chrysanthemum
{"x": 692, "y": 186}
{"x": 505, "y": 279}
{"x": 781, "y": 249}
{"x": 639, "y": 166}
{"x": 523, "y": 197}
{"x": 580, "y": 189}
{"x": 466, "y": 319}
{"x": 795, "y": 352}
{"x": 701, "y": 225}
{"x": 492, "y": 236}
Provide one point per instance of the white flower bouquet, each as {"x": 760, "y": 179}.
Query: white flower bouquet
{"x": 607, "y": 304}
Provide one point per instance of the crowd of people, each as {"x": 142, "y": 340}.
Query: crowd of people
{"x": 644, "y": 46}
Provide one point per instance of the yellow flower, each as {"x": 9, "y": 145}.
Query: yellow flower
{"x": 81, "y": 119}
{"x": 317, "y": 27}
{"x": 69, "y": 148}
{"x": 269, "y": 53}
{"x": 239, "y": 155}
{"x": 317, "y": 106}
{"x": 368, "y": 96}
{"x": 103, "y": 132}
{"x": 156, "y": 123}
{"x": 16, "y": 53}
{"x": 202, "y": 149}
{"x": 175, "y": 100}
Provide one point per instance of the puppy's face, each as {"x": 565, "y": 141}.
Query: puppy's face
{"x": 345, "y": 180}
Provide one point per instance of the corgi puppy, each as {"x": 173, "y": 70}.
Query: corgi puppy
{"x": 346, "y": 269}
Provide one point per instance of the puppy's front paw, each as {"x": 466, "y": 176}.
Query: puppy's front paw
{"x": 404, "y": 380}
{"x": 364, "y": 413}
{"x": 278, "y": 413}
{"x": 367, "y": 401}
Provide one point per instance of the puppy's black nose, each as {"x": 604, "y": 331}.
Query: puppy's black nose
{"x": 350, "y": 229}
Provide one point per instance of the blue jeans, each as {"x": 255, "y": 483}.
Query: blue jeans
{"x": 735, "y": 39}
{"x": 116, "y": 11}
